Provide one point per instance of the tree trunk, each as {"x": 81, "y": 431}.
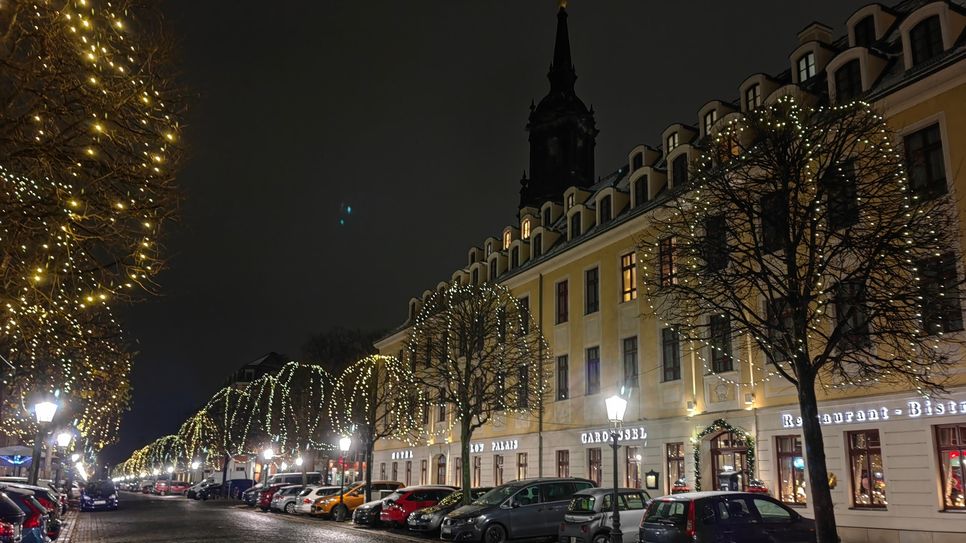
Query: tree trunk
{"x": 820, "y": 493}
{"x": 465, "y": 436}
{"x": 224, "y": 474}
{"x": 305, "y": 477}
{"x": 370, "y": 443}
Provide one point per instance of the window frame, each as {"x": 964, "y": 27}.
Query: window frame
{"x": 848, "y": 81}
{"x": 946, "y": 311}
{"x": 628, "y": 277}
{"x": 629, "y": 350}
{"x": 640, "y": 190}
{"x": 805, "y": 66}
{"x": 563, "y": 462}
{"x": 710, "y": 117}
{"x": 591, "y": 290}
{"x": 562, "y": 302}
{"x": 860, "y": 31}
{"x": 666, "y": 267}
{"x": 592, "y": 364}
{"x": 868, "y": 451}
{"x": 921, "y": 159}
{"x": 595, "y": 465}
{"x": 797, "y": 451}
{"x": 606, "y": 209}
{"x": 753, "y": 97}
{"x": 673, "y": 461}
{"x": 576, "y": 224}
{"x": 921, "y": 36}
{"x": 957, "y": 445}
{"x": 720, "y": 344}
{"x": 670, "y": 340}
{"x": 563, "y": 377}
{"x": 521, "y": 466}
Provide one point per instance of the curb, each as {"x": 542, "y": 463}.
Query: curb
{"x": 70, "y": 522}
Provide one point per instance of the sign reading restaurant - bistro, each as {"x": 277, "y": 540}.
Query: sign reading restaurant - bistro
{"x": 623, "y": 434}
{"x": 923, "y": 407}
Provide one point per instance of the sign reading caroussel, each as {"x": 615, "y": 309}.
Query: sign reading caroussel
{"x": 636, "y": 433}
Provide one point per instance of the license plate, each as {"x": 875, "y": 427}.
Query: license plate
{"x": 100, "y": 502}
{"x": 573, "y": 539}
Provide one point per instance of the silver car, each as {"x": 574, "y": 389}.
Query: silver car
{"x": 590, "y": 514}
{"x": 286, "y": 498}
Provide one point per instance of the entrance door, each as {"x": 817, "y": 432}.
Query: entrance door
{"x": 729, "y": 453}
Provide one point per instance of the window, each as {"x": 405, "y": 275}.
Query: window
{"x": 395, "y": 471}
{"x": 523, "y": 387}
{"x": 458, "y": 475}
{"x": 425, "y": 408}
{"x": 570, "y": 201}
{"x": 537, "y": 247}
{"x": 507, "y": 238}
{"x": 780, "y": 326}
{"x": 563, "y": 377}
{"x": 441, "y": 469}
{"x": 489, "y": 248}
{"x": 442, "y": 406}
{"x": 423, "y": 472}
{"x": 493, "y": 271}
{"x": 524, "y": 315}
{"x": 850, "y": 314}
{"x": 497, "y": 469}
{"x": 679, "y": 170}
{"x": 515, "y": 257}
{"x": 594, "y": 465}
{"x": 716, "y": 242}
{"x": 475, "y": 276}
{"x": 637, "y": 161}
{"x": 575, "y": 225}
{"x": 628, "y": 278}
{"x": 753, "y": 97}
{"x": 941, "y": 308}
{"x": 791, "y": 470}
{"x": 630, "y": 362}
{"x": 771, "y": 512}
{"x": 525, "y": 228}
{"x": 562, "y": 313}
{"x": 675, "y": 463}
{"x": 382, "y": 470}
{"x": 665, "y": 251}
{"x": 671, "y": 354}
{"x": 563, "y": 463}
{"x": 640, "y": 190}
{"x": 546, "y": 216}
{"x": 864, "y": 31}
{"x": 806, "y": 67}
{"x": 521, "y": 466}
{"x": 926, "y": 40}
{"x": 709, "y": 119}
{"x": 848, "y": 81}
{"x": 593, "y": 370}
{"x": 632, "y": 465}
{"x": 477, "y": 471}
{"x": 840, "y": 190}
{"x": 951, "y": 446}
{"x": 865, "y": 464}
{"x": 605, "y": 210}
{"x": 924, "y": 159}
{"x": 672, "y": 142}
{"x": 592, "y": 291}
{"x": 774, "y": 221}
{"x": 721, "y": 344}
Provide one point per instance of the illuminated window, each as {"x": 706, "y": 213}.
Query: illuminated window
{"x": 521, "y": 466}
{"x": 628, "y": 278}
{"x": 709, "y": 119}
{"x": 753, "y": 97}
{"x": 865, "y": 465}
{"x": 507, "y": 238}
{"x": 951, "y": 446}
{"x": 632, "y": 463}
{"x": 423, "y": 472}
{"x": 477, "y": 471}
{"x": 806, "y": 67}
{"x": 791, "y": 470}
{"x": 672, "y": 142}
{"x": 525, "y": 227}
{"x": 595, "y": 461}
{"x": 675, "y": 463}
{"x": 497, "y": 469}
{"x": 570, "y": 201}
{"x": 926, "y": 40}
{"x": 563, "y": 463}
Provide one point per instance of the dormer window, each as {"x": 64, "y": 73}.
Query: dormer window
{"x": 493, "y": 271}
{"x": 709, "y": 119}
{"x": 412, "y": 311}
{"x": 637, "y": 162}
{"x": 537, "y": 248}
{"x": 570, "y": 201}
{"x": 679, "y": 170}
{"x": 926, "y": 40}
{"x": 546, "y": 217}
{"x": 575, "y": 225}
{"x": 640, "y": 190}
{"x": 507, "y": 238}
{"x": 515, "y": 257}
{"x": 753, "y": 97}
{"x": 672, "y": 142}
{"x": 864, "y": 31}
{"x": 848, "y": 81}
{"x": 473, "y": 257}
{"x": 806, "y": 67}
{"x": 475, "y": 278}
{"x": 489, "y": 248}
{"x": 605, "y": 211}
{"x": 525, "y": 228}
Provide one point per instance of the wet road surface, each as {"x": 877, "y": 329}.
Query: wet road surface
{"x": 175, "y": 519}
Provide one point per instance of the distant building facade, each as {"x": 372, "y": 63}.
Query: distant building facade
{"x": 896, "y": 457}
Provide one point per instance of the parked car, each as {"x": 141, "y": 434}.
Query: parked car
{"x": 34, "y": 527}
{"x": 702, "y": 517}
{"x": 309, "y": 494}
{"x": 11, "y": 520}
{"x": 250, "y": 496}
{"x": 285, "y": 498}
{"x": 589, "y": 516}
{"x": 429, "y": 519}
{"x": 397, "y": 507}
{"x": 193, "y": 490}
{"x": 210, "y": 490}
{"x": 520, "y": 509}
{"x": 295, "y": 478}
{"x": 367, "y": 514}
{"x": 178, "y": 487}
{"x": 265, "y": 496}
{"x": 340, "y": 509}
{"x": 99, "y": 495}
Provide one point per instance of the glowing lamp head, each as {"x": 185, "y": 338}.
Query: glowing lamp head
{"x": 45, "y": 411}
{"x": 298, "y": 461}
{"x": 344, "y": 444}
{"x": 63, "y": 439}
{"x": 268, "y": 453}
{"x": 195, "y": 465}
{"x": 170, "y": 470}
{"x": 156, "y": 472}
{"x": 615, "y": 408}
{"x": 284, "y": 466}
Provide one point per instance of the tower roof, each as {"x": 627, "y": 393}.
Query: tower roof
{"x": 562, "y": 74}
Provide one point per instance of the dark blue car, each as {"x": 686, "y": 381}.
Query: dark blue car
{"x": 98, "y": 496}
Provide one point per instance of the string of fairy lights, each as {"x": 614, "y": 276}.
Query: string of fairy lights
{"x": 90, "y": 147}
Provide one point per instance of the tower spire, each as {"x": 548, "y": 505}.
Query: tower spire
{"x": 562, "y": 75}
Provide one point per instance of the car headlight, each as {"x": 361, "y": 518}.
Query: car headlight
{"x": 478, "y": 520}
{"x": 112, "y": 497}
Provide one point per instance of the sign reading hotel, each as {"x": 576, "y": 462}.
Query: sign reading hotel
{"x": 624, "y": 434}
{"x": 401, "y": 455}
{"x": 924, "y": 407}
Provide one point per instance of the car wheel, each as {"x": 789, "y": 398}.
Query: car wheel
{"x": 290, "y": 508}
{"x": 494, "y": 534}
{"x": 602, "y": 538}
{"x": 340, "y": 513}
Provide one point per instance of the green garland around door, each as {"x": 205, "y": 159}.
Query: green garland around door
{"x": 718, "y": 426}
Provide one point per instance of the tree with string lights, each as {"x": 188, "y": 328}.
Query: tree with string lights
{"x": 475, "y": 348}
{"x": 808, "y": 233}
{"x": 89, "y": 135}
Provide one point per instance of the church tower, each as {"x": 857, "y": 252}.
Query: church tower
{"x": 562, "y": 131}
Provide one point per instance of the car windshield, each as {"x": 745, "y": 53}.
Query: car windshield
{"x": 497, "y": 495}
{"x": 99, "y": 488}
{"x": 582, "y": 504}
{"x": 452, "y": 499}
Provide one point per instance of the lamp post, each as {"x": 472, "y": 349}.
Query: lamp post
{"x": 267, "y": 454}
{"x": 344, "y": 445}
{"x": 44, "y": 412}
{"x": 194, "y": 467}
{"x": 615, "y": 413}
{"x": 63, "y": 441}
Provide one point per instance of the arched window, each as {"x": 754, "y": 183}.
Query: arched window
{"x": 537, "y": 245}
{"x": 640, "y": 190}
{"x": 637, "y": 162}
{"x": 864, "y": 31}
{"x": 440, "y": 469}
{"x": 605, "y": 210}
{"x": 926, "y": 40}
{"x": 679, "y": 170}
{"x": 575, "y": 225}
{"x": 848, "y": 81}
{"x": 525, "y": 229}
{"x": 507, "y": 238}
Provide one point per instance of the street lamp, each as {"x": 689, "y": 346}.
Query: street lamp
{"x": 298, "y": 461}
{"x": 170, "y": 470}
{"x": 344, "y": 444}
{"x": 45, "y": 413}
{"x": 63, "y": 441}
{"x": 194, "y": 467}
{"x": 268, "y": 453}
{"x": 615, "y": 413}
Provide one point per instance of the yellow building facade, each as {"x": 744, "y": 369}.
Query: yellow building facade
{"x": 571, "y": 257}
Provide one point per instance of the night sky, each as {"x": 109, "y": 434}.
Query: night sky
{"x": 412, "y": 113}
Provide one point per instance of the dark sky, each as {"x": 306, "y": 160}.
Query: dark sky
{"x": 412, "y": 112}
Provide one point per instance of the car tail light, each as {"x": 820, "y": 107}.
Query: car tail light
{"x": 8, "y": 531}
{"x": 306, "y": 500}
{"x": 33, "y": 520}
{"x": 690, "y": 527}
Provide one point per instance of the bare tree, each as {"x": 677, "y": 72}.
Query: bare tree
{"x": 475, "y": 348}
{"x": 338, "y": 347}
{"x": 802, "y": 231}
